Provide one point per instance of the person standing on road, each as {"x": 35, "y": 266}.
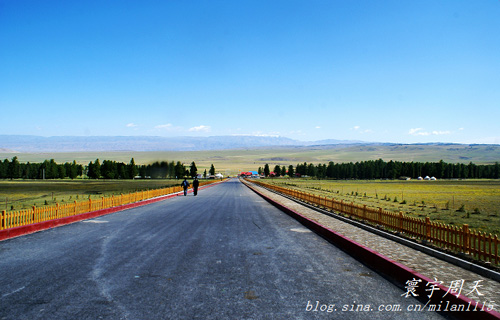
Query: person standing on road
{"x": 196, "y": 184}
{"x": 185, "y": 185}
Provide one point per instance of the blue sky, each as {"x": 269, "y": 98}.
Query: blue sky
{"x": 391, "y": 71}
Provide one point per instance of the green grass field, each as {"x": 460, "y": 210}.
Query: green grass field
{"x": 474, "y": 202}
{"x": 17, "y": 195}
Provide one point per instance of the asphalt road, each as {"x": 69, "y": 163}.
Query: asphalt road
{"x": 224, "y": 254}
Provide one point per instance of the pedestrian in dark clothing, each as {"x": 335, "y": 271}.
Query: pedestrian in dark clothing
{"x": 185, "y": 185}
{"x": 196, "y": 184}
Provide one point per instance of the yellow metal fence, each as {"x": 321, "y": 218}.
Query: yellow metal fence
{"x": 457, "y": 239}
{"x": 41, "y": 214}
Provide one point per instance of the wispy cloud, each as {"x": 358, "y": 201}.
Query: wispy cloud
{"x": 359, "y": 130}
{"x": 421, "y": 132}
{"x": 201, "y": 128}
{"x": 440, "y": 133}
{"x": 418, "y": 132}
{"x": 131, "y": 125}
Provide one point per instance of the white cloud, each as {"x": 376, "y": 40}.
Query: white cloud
{"x": 317, "y": 127}
{"x": 440, "y": 133}
{"x": 201, "y": 128}
{"x": 131, "y": 125}
{"x": 358, "y": 129}
{"x": 420, "y": 132}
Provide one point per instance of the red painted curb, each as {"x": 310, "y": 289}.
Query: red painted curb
{"x": 395, "y": 271}
{"x": 35, "y": 227}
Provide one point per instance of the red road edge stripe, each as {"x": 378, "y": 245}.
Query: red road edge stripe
{"x": 393, "y": 270}
{"x": 35, "y": 227}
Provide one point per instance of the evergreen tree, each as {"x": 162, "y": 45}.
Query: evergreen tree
{"x": 61, "y": 171}
{"x": 4, "y": 165}
{"x": 71, "y": 169}
{"x": 132, "y": 169}
{"x": 266, "y": 170}
{"x": 179, "y": 170}
{"x": 277, "y": 170}
{"x": 311, "y": 170}
{"x": 290, "y": 171}
{"x": 94, "y": 170}
{"x": 212, "y": 170}
{"x": 109, "y": 169}
{"x": 171, "y": 169}
{"x": 13, "y": 171}
{"x": 321, "y": 171}
{"x": 193, "y": 171}
{"x": 122, "y": 171}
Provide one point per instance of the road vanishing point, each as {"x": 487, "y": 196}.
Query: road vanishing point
{"x": 223, "y": 254}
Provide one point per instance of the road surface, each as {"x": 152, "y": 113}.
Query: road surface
{"x": 224, "y": 254}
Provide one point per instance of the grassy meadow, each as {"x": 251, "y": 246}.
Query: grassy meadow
{"x": 231, "y": 162}
{"x": 19, "y": 194}
{"x": 454, "y": 202}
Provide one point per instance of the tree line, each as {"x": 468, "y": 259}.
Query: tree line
{"x": 108, "y": 169}
{"x": 380, "y": 169}
{"x": 48, "y": 169}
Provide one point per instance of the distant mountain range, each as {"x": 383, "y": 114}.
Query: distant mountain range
{"x": 26, "y": 143}
{"x": 258, "y": 148}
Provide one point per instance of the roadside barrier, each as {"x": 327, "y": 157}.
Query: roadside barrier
{"x": 456, "y": 239}
{"x": 34, "y": 215}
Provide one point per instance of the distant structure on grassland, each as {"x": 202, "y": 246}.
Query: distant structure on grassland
{"x": 250, "y": 174}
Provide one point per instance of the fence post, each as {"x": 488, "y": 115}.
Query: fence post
{"x": 2, "y": 225}
{"x": 427, "y": 228}
{"x": 497, "y": 254}
{"x": 465, "y": 238}
{"x": 364, "y": 212}
{"x": 400, "y": 221}
{"x": 379, "y": 216}
{"x": 34, "y": 215}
